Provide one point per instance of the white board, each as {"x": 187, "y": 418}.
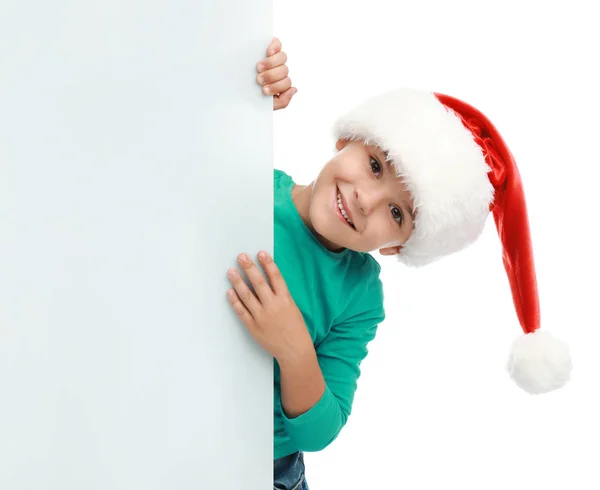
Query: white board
{"x": 135, "y": 164}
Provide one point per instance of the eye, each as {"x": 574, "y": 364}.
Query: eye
{"x": 375, "y": 166}
{"x": 397, "y": 214}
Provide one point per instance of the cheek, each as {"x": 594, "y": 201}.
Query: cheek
{"x": 372, "y": 239}
{"x": 383, "y": 233}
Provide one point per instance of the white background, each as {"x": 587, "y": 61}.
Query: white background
{"x": 435, "y": 407}
{"x": 131, "y": 135}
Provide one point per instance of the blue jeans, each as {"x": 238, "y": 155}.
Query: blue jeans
{"x": 288, "y": 472}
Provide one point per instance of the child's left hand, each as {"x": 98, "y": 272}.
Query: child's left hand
{"x": 271, "y": 316}
{"x": 273, "y": 76}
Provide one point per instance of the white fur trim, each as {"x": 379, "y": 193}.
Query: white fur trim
{"x": 539, "y": 363}
{"x": 441, "y": 164}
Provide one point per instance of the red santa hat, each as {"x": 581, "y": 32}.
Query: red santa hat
{"x": 458, "y": 170}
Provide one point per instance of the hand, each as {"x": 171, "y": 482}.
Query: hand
{"x": 271, "y": 315}
{"x": 273, "y": 76}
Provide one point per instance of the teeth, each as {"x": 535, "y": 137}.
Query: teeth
{"x": 342, "y": 210}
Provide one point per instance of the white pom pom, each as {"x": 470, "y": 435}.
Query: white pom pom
{"x": 539, "y": 363}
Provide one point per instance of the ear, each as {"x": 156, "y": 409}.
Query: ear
{"x": 340, "y": 144}
{"x": 390, "y": 250}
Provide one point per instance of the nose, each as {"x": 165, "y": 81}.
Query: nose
{"x": 368, "y": 199}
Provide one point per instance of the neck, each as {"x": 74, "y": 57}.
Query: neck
{"x": 301, "y": 198}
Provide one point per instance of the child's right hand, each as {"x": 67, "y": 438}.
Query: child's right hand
{"x": 273, "y": 76}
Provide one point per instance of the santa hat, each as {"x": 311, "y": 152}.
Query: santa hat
{"x": 458, "y": 170}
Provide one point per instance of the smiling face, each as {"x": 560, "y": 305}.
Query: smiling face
{"x": 357, "y": 202}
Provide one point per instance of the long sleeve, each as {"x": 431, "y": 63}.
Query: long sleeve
{"x": 339, "y": 355}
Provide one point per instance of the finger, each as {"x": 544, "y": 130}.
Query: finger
{"x": 272, "y": 62}
{"x": 273, "y": 273}
{"x": 257, "y": 279}
{"x": 279, "y": 87}
{"x": 247, "y": 297}
{"x": 273, "y": 75}
{"x": 274, "y": 47}
{"x": 282, "y": 100}
{"x": 240, "y": 309}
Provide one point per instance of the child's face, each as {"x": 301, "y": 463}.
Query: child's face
{"x": 373, "y": 196}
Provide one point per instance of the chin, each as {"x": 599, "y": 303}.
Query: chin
{"x": 322, "y": 228}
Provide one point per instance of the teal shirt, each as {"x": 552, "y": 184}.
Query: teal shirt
{"x": 340, "y": 296}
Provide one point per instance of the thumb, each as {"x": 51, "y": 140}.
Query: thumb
{"x": 282, "y": 100}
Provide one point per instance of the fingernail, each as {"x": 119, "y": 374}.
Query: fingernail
{"x": 261, "y": 80}
{"x": 244, "y": 259}
{"x": 267, "y": 90}
{"x": 262, "y": 255}
{"x": 261, "y": 67}
{"x": 232, "y": 273}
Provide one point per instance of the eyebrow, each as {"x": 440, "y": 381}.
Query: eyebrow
{"x": 411, "y": 211}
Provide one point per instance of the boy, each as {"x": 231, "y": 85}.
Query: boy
{"x": 416, "y": 175}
